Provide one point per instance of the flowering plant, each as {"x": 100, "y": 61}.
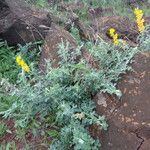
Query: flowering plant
{"x": 22, "y": 64}
{"x": 114, "y": 35}
{"x": 139, "y": 19}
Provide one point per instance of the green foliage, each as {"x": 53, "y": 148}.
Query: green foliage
{"x": 67, "y": 93}
{"x": 75, "y": 136}
{"x": 6, "y": 100}
{"x": 52, "y": 133}
{"x": 30, "y": 52}
{"x": 39, "y": 3}
{"x": 144, "y": 40}
{"x": 9, "y": 70}
{"x": 8, "y": 67}
{"x": 3, "y": 129}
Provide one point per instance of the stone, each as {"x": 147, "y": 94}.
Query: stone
{"x": 129, "y": 121}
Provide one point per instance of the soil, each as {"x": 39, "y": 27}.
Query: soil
{"x": 36, "y": 142}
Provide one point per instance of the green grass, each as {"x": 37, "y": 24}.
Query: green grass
{"x": 8, "y": 67}
{"x": 38, "y": 3}
{"x": 3, "y": 129}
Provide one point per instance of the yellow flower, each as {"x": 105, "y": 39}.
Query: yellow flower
{"x": 138, "y": 12}
{"x": 115, "y": 39}
{"x": 114, "y": 36}
{"x": 22, "y": 64}
{"x": 139, "y": 19}
{"x": 112, "y": 32}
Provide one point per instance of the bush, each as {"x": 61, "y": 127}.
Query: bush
{"x": 67, "y": 93}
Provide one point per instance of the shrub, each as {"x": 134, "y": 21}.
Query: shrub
{"x": 67, "y": 92}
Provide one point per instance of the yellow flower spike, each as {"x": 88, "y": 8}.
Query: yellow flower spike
{"x": 22, "y": 64}
{"x": 139, "y": 19}
{"x": 114, "y": 36}
{"x": 112, "y": 32}
{"x": 115, "y": 39}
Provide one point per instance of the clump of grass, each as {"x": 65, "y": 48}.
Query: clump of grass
{"x": 8, "y": 68}
{"x": 3, "y": 129}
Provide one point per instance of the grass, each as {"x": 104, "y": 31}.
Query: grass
{"x": 8, "y": 68}
{"x": 3, "y": 129}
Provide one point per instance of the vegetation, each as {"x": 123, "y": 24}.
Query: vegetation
{"x": 3, "y": 129}
{"x": 8, "y": 69}
{"x": 61, "y": 100}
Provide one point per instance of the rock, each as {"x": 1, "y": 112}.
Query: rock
{"x": 94, "y": 13}
{"x": 74, "y": 6}
{"x": 135, "y": 86}
{"x": 145, "y": 145}
{"x": 21, "y": 23}
{"x": 106, "y": 104}
{"x": 118, "y": 139}
{"x": 85, "y": 32}
{"x": 128, "y": 118}
{"x": 126, "y": 29}
{"x": 144, "y": 134}
{"x": 50, "y": 48}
